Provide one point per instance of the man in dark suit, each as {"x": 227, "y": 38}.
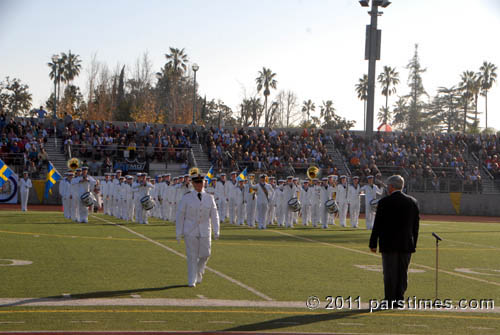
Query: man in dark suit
{"x": 396, "y": 230}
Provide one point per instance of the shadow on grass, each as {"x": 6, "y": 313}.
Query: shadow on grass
{"x": 297, "y": 320}
{"x": 91, "y": 295}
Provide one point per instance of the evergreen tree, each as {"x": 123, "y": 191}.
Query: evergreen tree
{"x": 416, "y": 113}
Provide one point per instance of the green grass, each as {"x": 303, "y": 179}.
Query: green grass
{"x": 103, "y": 260}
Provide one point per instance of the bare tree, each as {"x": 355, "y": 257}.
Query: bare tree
{"x": 286, "y": 109}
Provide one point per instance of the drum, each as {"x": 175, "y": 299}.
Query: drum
{"x": 86, "y": 199}
{"x": 374, "y": 204}
{"x": 147, "y": 203}
{"x": 294, "y": 204}
{"x": 331, "y": 206}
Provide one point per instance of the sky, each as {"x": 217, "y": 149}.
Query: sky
{"x": 315, "y": 47}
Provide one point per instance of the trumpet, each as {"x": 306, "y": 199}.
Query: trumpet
{"x": 312, "y": 172}
{"x": 73, "y": 163}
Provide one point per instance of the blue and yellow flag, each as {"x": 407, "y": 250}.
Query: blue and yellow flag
{"x": 52, "y": 177}
{"x": 242, "y": 175}
{"x": 5, "y": 173}
{"x": 210, "y": 175}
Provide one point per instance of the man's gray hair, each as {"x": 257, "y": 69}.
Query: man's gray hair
{"x": 396, "y": 181}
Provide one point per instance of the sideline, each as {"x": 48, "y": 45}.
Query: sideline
{"x": 220, "y": 274}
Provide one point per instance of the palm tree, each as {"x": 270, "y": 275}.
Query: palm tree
{"x": 389, "y": 77}
{"x": 176, "y": 65}
{"x": 384, "y": 115}
{"x": 266, "y": 80}
{"x": 57, "y": 73}
{"x": 466, "y": 87}
{"x": 362, "y": 90}
{"x": 488, "y": 77}
{"x": 307, "y": 107}
{"x": 72, "y": 66}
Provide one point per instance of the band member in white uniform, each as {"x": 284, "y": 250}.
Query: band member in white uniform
{"x": 220, "y": 197}
{"x": 316, "y": 203}
{"x": 239, "y": 200}
{"x": 75, "y": 198}
{"x": 129, "y": 202}
{"x": 371, "y": 192}
{"x": 280, "y": 203}
{"x": 229, "y": 186}
{"x": 325, "y": 195}
{"x": 85, "y": 183}
{"x": 289, "y": 192}
{"x": 306, "y": 198}
{"x": 264, "y": 193}
{"x": 250, "y": 196}
{"x": 271, "y": 212}
{"x": 342, "y": 201}
{"x": 115, "y": 192}
{"x": 24, "y": 187}
{"x": 353, "y": 194}
{"x": 105, "y": 193}
{"x": 196, "y": 217}
{"x": 65, "y": 192}
{"x": 171, "y": 190}
{"x": 141, "y": 188}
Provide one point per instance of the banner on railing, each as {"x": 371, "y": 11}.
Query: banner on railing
{"x": 9, "y": 190}
{"x": 130, "y": 166}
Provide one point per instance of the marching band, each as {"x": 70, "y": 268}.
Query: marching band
{"x": 256, "y": 203}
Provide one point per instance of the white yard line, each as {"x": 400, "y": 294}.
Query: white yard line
{"x": 220, "y": 274}
{"x": 378, "y": 255}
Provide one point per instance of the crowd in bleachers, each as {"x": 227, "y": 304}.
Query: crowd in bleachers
{"x": 487, "y": 148}
{"x": 22, "y": 144}
{"x": 425, "y": 158}
{"x": 99, "y": 144}
{"x": 268, "y": 150}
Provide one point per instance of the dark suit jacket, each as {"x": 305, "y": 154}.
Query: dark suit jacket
{"x": 396, "y": 224}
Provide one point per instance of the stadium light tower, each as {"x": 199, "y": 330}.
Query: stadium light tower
{"x": 372, "y": 54}
{"x": 195, "y": 68}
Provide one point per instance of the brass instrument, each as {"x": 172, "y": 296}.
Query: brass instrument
{"x": 312, "y": 172}
{"x": 194, "y": 171}
{"x": 73, "y": 163}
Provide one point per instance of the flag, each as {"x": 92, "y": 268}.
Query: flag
{"x": 210, "y": 175}
{"x": 242, "y": 175}
{"x": 5, "y": 173}
{"x": 52, "y": 177}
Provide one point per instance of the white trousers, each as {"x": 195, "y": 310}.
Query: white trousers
{"x": 75, "y": 214}
{"x": 354, "y": 213}
{"x": 67, "y": 207}
{"x": 370, "y": 215}
{"x": 343, "y": 206}
{"x": 198, "y": 250}
{"x": 240, "y": 213}
{"x": 306, "y": 214}
{"x": 24, "y": 199}
{"x": 315, "y": 213}
{"x": 271, "y": 212}
{"x": 262, "y": 209}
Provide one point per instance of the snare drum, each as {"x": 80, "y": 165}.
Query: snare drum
{"x": 294, "y": 204}
{"x": 331, "y": 206}
{"x": 86, "y": 199}
{"x": 147, "y": 203}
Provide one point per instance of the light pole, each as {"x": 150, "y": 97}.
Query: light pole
{"x": 195, "y": 68}
{"x": 55, "y": 68}
{"x": 372, "y": 54}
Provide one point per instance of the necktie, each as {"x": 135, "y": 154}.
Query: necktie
{"x": 199, "y": 196}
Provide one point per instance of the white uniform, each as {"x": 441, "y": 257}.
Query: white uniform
{"x": 250, "y": 204}
{"x": 128, "y": 202}
{"x": 342, "y": 202}
{"x": 271, "y": 212}
{"x": 24, "y": 186}
{"x": 280, "y": 206}
{"x": 306, "y": 198}
{"x": 371, "y": 192}
{"x": 82, "y": 187}
{"x": 289, "y": 192}
{"x": 229, "y": 186}
{"x": 194, "y": 221}
{"x": 106, "y": 196}
{"x": 353, "y": 200}
{"x": 172, "y": 207}
{"x": 141, "y": 190}
{"x": 75, "y": 201}
{"x": 326, "y": 193}
{"x": 65, "y": 192}
{"x": 115, "y": 193}
{"x": 220, "y": 199}
{"x": 264, "y": 196}
{"x": 239, "y": 200}
{"x": 316, "y": 205}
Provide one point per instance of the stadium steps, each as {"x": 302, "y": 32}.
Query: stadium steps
{"x": 338, "y": 159}
{"x": 57, "y": 158}
{"x": 201, "y": 158}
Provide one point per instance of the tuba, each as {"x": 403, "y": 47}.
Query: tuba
{"x": 194, "y": 171}
{"x": 73, "y": 163}
{"x": 312, "y": 172}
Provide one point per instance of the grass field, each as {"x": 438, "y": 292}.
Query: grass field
{"x": 107, "y": 275}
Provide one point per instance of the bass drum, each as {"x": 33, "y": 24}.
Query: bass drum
{"x": 331, "y": 206}
{"x": 86, "y": 199}
{"x": 294, "y": 204}
{"x": 147, "y": 203}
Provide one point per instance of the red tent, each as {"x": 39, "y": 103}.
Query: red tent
{"x": 385, "y": 127}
